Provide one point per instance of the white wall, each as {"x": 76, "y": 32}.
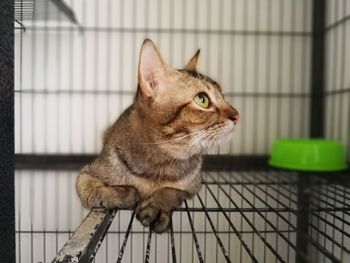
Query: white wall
{"x": 258, "y": 50}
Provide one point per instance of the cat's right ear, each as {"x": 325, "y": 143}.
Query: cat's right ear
{"x": 151, "y": 70}
{"x": 192, "y": 64}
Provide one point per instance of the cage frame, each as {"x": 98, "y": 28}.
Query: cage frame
{"x": 7, "y": 205}
{"x": 8, "y": 160}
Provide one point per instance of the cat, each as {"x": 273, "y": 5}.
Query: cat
{"x": 152, "y": 155}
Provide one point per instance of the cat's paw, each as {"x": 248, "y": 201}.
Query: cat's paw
{"x": 162, "y": 223}
{"x": 147, "y": 211}
{"x": 151, "y": 213}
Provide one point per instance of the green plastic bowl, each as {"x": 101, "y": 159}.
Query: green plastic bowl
{"x": 308, "y": 155}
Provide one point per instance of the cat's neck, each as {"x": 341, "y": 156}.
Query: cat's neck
{"x": 141, "y": 149}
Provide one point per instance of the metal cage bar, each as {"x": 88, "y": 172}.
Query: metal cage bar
{"x": 318, "y": 68}
{"x": 7, "y": 195}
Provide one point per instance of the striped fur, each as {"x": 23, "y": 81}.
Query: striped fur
{"x": 153, "y": 151}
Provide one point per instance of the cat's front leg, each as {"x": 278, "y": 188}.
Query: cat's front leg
{"x": 93, "y": 192}
{"x": 156, "y": 210}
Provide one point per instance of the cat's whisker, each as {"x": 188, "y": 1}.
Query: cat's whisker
{"x": 191, "y": 142}
{"x": 188, "y": 145}
{"x": 194, "y": 141}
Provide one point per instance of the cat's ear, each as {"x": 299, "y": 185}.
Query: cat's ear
{"x": 192, "y": 64}
{"x": 151, "y": 69}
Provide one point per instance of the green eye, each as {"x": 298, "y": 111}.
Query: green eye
{"x": 202, "y": 100}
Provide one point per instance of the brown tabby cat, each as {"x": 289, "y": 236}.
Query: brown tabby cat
{"x": 151, "y": 157}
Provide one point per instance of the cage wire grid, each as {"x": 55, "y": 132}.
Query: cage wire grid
{"x": 240, "y": 217}
{"x": 249, "y": 216}
{"x": 72, "y": 79}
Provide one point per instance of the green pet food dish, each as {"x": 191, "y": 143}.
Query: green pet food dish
{"x": 308, "y": 155}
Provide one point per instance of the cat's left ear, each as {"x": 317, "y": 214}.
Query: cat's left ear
{"x": 152, "y": 69}
{"x": 192, "y": 64}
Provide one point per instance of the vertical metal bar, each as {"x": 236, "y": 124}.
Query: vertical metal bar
{"x": 230, "y": 216}
{"x": 205, "y": 225}
{"x": 83, "y": 79}
{"x": 256, "y": 71}
{"x": 265, "y": 223}
{"x": 168, "y": 246}
{"x": 320, "y": 201}
{"x": 268, "y": 78}
{"x": 220, "y": 58}
{"x": 280, "y": 59}
{"x": 217, "y": 222}
{"x": 305, "y": 89}
{"x": 33, "y": 85}
{"x": 343, "y": 216}
{"x": 58, "y": 80}
{"x": 96, "y": 73}
{"x": 106, "y": 247}
{"x": 303, "y": 203}
{"x": 334, "y": 73}
{"x": 121, "y": 58}
{"x": 317, "y": 69}
{"x": 7, "y": 194}
{"x": 45, "y": 123}
{"x": 244, "y": 78}
{"x": 292, "y": 100}
{"x": 199, "y": 253}
{"x": 172, "y": 239}
{"x": 19, "y": 241}
{"x": 342, "y": 73}
{"x": 44, "y": 116}
{"x": 121, "y": 252}
{"x": 71, "y": 76}
{"x": 19, "y": 203}
{"x": 223, "y": 249}
{"x": 109, "y": 59}
{"x": 232, "y": 60}
{"x": 241, "y": 223}
{"x": 148, "y": 249}
{"x": 289, "y": 219}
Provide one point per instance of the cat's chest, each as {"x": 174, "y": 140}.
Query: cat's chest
{"x": 147, "y": 185}
{"x": 171, "y": 172}
{"x": 158, "y": 168}
{"x": 150, "y": 174}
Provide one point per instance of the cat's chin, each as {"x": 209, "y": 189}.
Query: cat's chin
{"x": 222, "y": 136}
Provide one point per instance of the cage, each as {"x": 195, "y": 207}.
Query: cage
{"x": 283, "y": 64}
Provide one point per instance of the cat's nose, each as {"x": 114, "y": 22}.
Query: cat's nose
{"x": 233, "y": 115}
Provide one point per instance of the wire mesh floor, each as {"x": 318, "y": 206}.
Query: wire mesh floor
{"x": 243, "y": 217}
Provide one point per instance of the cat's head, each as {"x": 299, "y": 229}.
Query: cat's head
{"x": 184, "y": 110}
